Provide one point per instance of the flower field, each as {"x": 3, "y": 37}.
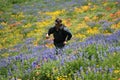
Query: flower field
{"x": 93, "y": 53}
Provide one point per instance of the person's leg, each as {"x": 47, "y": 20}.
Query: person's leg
{"x": 59, "y": 48}
{"x": 56, "y": 50}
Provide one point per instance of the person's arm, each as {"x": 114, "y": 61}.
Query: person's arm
{"x": 69, "y": 35}
{"x": 50, "y": 31}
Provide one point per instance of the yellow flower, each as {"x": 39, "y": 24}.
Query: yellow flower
{"x": 27, "y": 25}
{"x": 116, "y": 71}
{"x": 37, "y": 73}
{"x": 78, "y": 10}
{"x": 4, "y": 23}
{"x": 55, "y": 13}
{"x": 21, "y": 15}
{"x": 1, "y": 46}
{"x": 62, "y": 78}
{"x": 86, "y": 18}
{"x": 55, "y": 70}
{"x": 43, "y": 23}
{"x": 1, "y": 12}
{"x": 5, "y": 55}
{"x": 85, "y": 8}
{"x": 93, "y": 31}
{"x": 105, "y": 4}
{"x": 48, "y": 75}
{"x": 94, "y": 7}
{"x": 81, "y": 36}
{"x": 114, "y": 53}
{"x": 95, "y": 18}
{"x": 35, "y": 43}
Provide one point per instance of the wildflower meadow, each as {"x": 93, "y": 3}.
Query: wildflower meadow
{"x": 93, "y": 53}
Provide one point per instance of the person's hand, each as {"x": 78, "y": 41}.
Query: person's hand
{"x": 65, "y": 42}
{"x": 47, "y": 36}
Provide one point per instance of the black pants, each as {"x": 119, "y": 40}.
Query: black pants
{"x": 59, "y": 47}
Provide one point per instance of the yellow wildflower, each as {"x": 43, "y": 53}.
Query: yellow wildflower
{"x": 43, "y": 23}
{"x": 94, "y": 7}
{"x": 35, "y": 43}
{"x": 93, "y": 31}
{"x": 19, "y": 79}
{"x": 62, "y": 78}
{"x": 105, "y": 4}
{"x": 95, "y": 18}
{"x": 55, "y": 70}
{"x": 19, "y": 15}
{"x": 4, "y": 23}
{"x": 86, "y": 18}
{"x": 116, "y": 71}
{"x": 37, "y": 73}
{"x": 78, "y": 10}
{"x": 5, "y": 55}
{"x": 1, "y": 12}
{"x": 27, "y": 25}
{"x": 114, "y": 53}
{"x": 1, "y": 46}
{"x": 55, "y": 13}
{"x": 85, "y": 8}
{"x": 80, "y": 36}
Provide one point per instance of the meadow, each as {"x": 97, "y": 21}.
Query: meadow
{"x": 93, "y": 53}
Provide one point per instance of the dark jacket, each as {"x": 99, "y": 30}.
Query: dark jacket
{"x": 60, "y": 35}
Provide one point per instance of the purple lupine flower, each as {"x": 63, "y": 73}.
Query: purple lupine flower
{"x": 3, "y": 63}
{"x": 81, "y": 54}
{"x": 9, "y": 72}
{"x": 62, "y": 62}
{"x": 28, "y": 70}
{"x": 111, "y": 49}
{"x": 1, "y": 27}
{"x": 91, "y": 24}
{"x": 117, "y": 21}
{"x": 78, "y": 73}
{"x": 105, "y": 25}
{"x": 29, "y": 40}
{"x": 34, "y": 64}
{"x": 17, "y": 57}
{"x": 106, "y": 68}
{"x": 105, "y": 54}
{"x": 73, "y": 57}
{"x": 102, "y": 21}
{"x": 81, "y": 68}
{"x": 9, "y": 60}
{"x": 87, "y": 72}
{"x": 110, "y": 70}
{"x": 14, "y": 67}
{"x": 95, "y": 71}
{"x": 51, "y": 56}
{"x": 100, "y": 68}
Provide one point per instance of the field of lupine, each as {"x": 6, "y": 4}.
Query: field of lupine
{"x": 93, "y": 53}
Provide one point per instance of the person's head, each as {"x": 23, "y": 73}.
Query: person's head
{"x": 58, "y": 22}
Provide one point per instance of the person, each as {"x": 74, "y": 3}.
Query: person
{"x": 60, "y": 33}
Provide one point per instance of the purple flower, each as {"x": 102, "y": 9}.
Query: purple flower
{"x": 62, "y": 62}
{"x": 81, "y": 68}
{"x": 9, "y": 72}
{"x": 110, "y": 70}
{"x": 34, "y": 64}
{"x": 1, "y": 27}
